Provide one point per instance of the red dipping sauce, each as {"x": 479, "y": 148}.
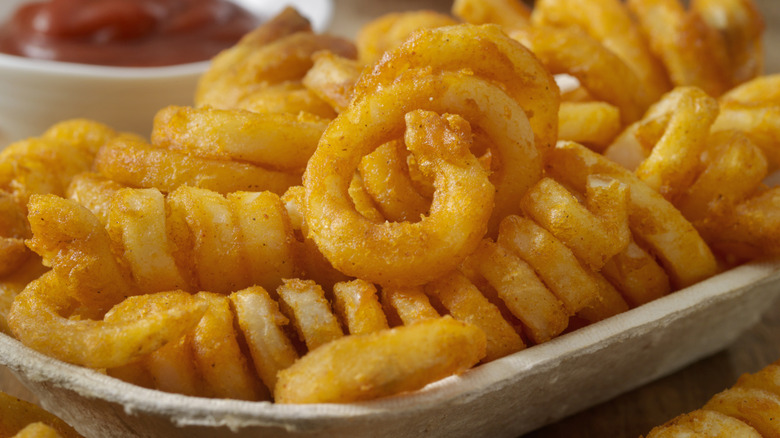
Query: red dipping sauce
{"x": 135, "y": 33}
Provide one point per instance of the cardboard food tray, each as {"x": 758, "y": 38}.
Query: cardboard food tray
{"x": 507, "y": 397}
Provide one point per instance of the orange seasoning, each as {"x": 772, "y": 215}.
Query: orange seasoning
{"x": 142, "y": 33}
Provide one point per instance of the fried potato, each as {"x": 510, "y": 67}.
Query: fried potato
{"x": 610, "y": 22}
{"x": 215, "y": 254}
{"x": 542, "y": 313}
{"x": 285, "y": 58}
{"x": 219, "y": 357}
{"x": 94, "y": 192}
{"x": 703, "y": 422}
{"x": 594, "y": 124}
{"x": 17, "y": 415}
{"x": 266, "y": 235}
{"x": 262, "y": 325}
{"x": 386, "y": 179}
{"x": 594, "y": 233}
{"x": 756, "y": 407}
{"x": 78, "y": 248}
{"x": 362, "y": 367}
{"x": 14, "y": 283}
{"x": 661, "y": 228}
{"x": 510, "y": 14}
{"x": 333, "y": 78}
{"x": 134, "y": 162}
{"x": 390, "y": 30}
{"x": 693, "y": 53}
{"x": 138, "y": 228}
{"x": 555, "y": 264}
{"x": 465, "y": 302}
{"x": 173, "y": 368}
{"x": 637, "y": 275}
{"x": 135, "y": 327}
{"x": 357, "y": 305}
{"x": 280, "y": 141}
{"x": 671, "y": 135}
{"x": 304, "y": 303}
{"x": 290, "y": 97}
{"x": 601, "y": 72}
{"x": 408, "y": 304}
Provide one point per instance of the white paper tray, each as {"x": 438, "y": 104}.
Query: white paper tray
{"x": 507, "y": 397}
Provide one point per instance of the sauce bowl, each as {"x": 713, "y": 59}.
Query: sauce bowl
{"x": 35, "y": 94}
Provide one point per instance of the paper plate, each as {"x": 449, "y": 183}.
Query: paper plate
{"x": 506, "y": 397}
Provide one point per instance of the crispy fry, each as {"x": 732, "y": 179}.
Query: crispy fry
{"x": 136, "y": 326}
{"x": 542, "y": 313}
{"x": 333, "y": 79}
{"x": 262, "y": 325}
{"x": 280, "y": 141}
{"x": 594, "y": 124}
{"x": 136, "y": 163}
{"x": 357, "y": 305}
{"x": 510, "y": 14}
{"x": 409, "y": 304}
{"x": 304, "y": 303}
{"x": 390, "y": 30}
{"x": 218, "y": 354}
{"x": 465, "y": 302}
{"x": 361, "y": 367}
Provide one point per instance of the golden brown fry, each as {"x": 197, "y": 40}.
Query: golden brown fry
{"x": 610, "y": 22}
{"x": 601, "y": 72}
{"x": 280, "y": 141}
{"x": 16, "y": 414}
{"x": 304, "y": 303}
{"x": 94, "y": 192}
{"x": 172, "y": 368}
{"x": 136, "y": 326}
{"x": 134, "y": 162}
{"x": 637, "y": 275}
{"x": 138, "y": 232}
{"x": 543, "y": 315}
{"x": 756, "y": 407}
{"x": 400, "y": 253}
{"x": 14, "y": 283}
{"x": 703, "y": 422}
{"x": 594, "y": 124}
{"x": 286, "y": 58}
{"x": 465, "y": 302}
{"x": 333, "y": 79}
{"x": 670, "y": 138}
{"x": 693, "y": 53}
{"x": 266, "y": 234}
{"x": 362, "y": 367}
{"x": 215, "y": 254}
{"x": 753, "y": 109}
{"x": 409, "y": 304}
{"x": 357, "y": 305}
{"x": 510, "y": 14}
{"x": 386, "y": 179}
{"x": 595, "y": 232}
{"x": 741, "y": 26}
{"x": 290, "y": 97}
{"x": 262, "y": 325}
{"x": 221, "y": 362}
{"x": 74, "y": 243}
{"x": 654, "y": 222}
{"x": 390, "y": 30}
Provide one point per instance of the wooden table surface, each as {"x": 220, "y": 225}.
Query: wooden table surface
{"x": 636, "y": 412}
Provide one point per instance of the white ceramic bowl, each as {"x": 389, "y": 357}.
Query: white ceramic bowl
{"x": 35, "y": 94}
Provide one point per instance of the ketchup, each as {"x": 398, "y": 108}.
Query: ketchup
{"x": 140, "y": 33}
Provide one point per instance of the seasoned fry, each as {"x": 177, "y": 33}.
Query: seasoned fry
{"x": 388, "y": 362}
{"x": 465, "y": 302}
{"x": 280, "y": 141}
{"x": 507, "y": 13}
{"x": 356, "y": 303}
{"x": 409, "y": 304}
{"x": 390, "y": 30}
{"x": 262, "y": 325}
{"x": 304, "y": 303}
